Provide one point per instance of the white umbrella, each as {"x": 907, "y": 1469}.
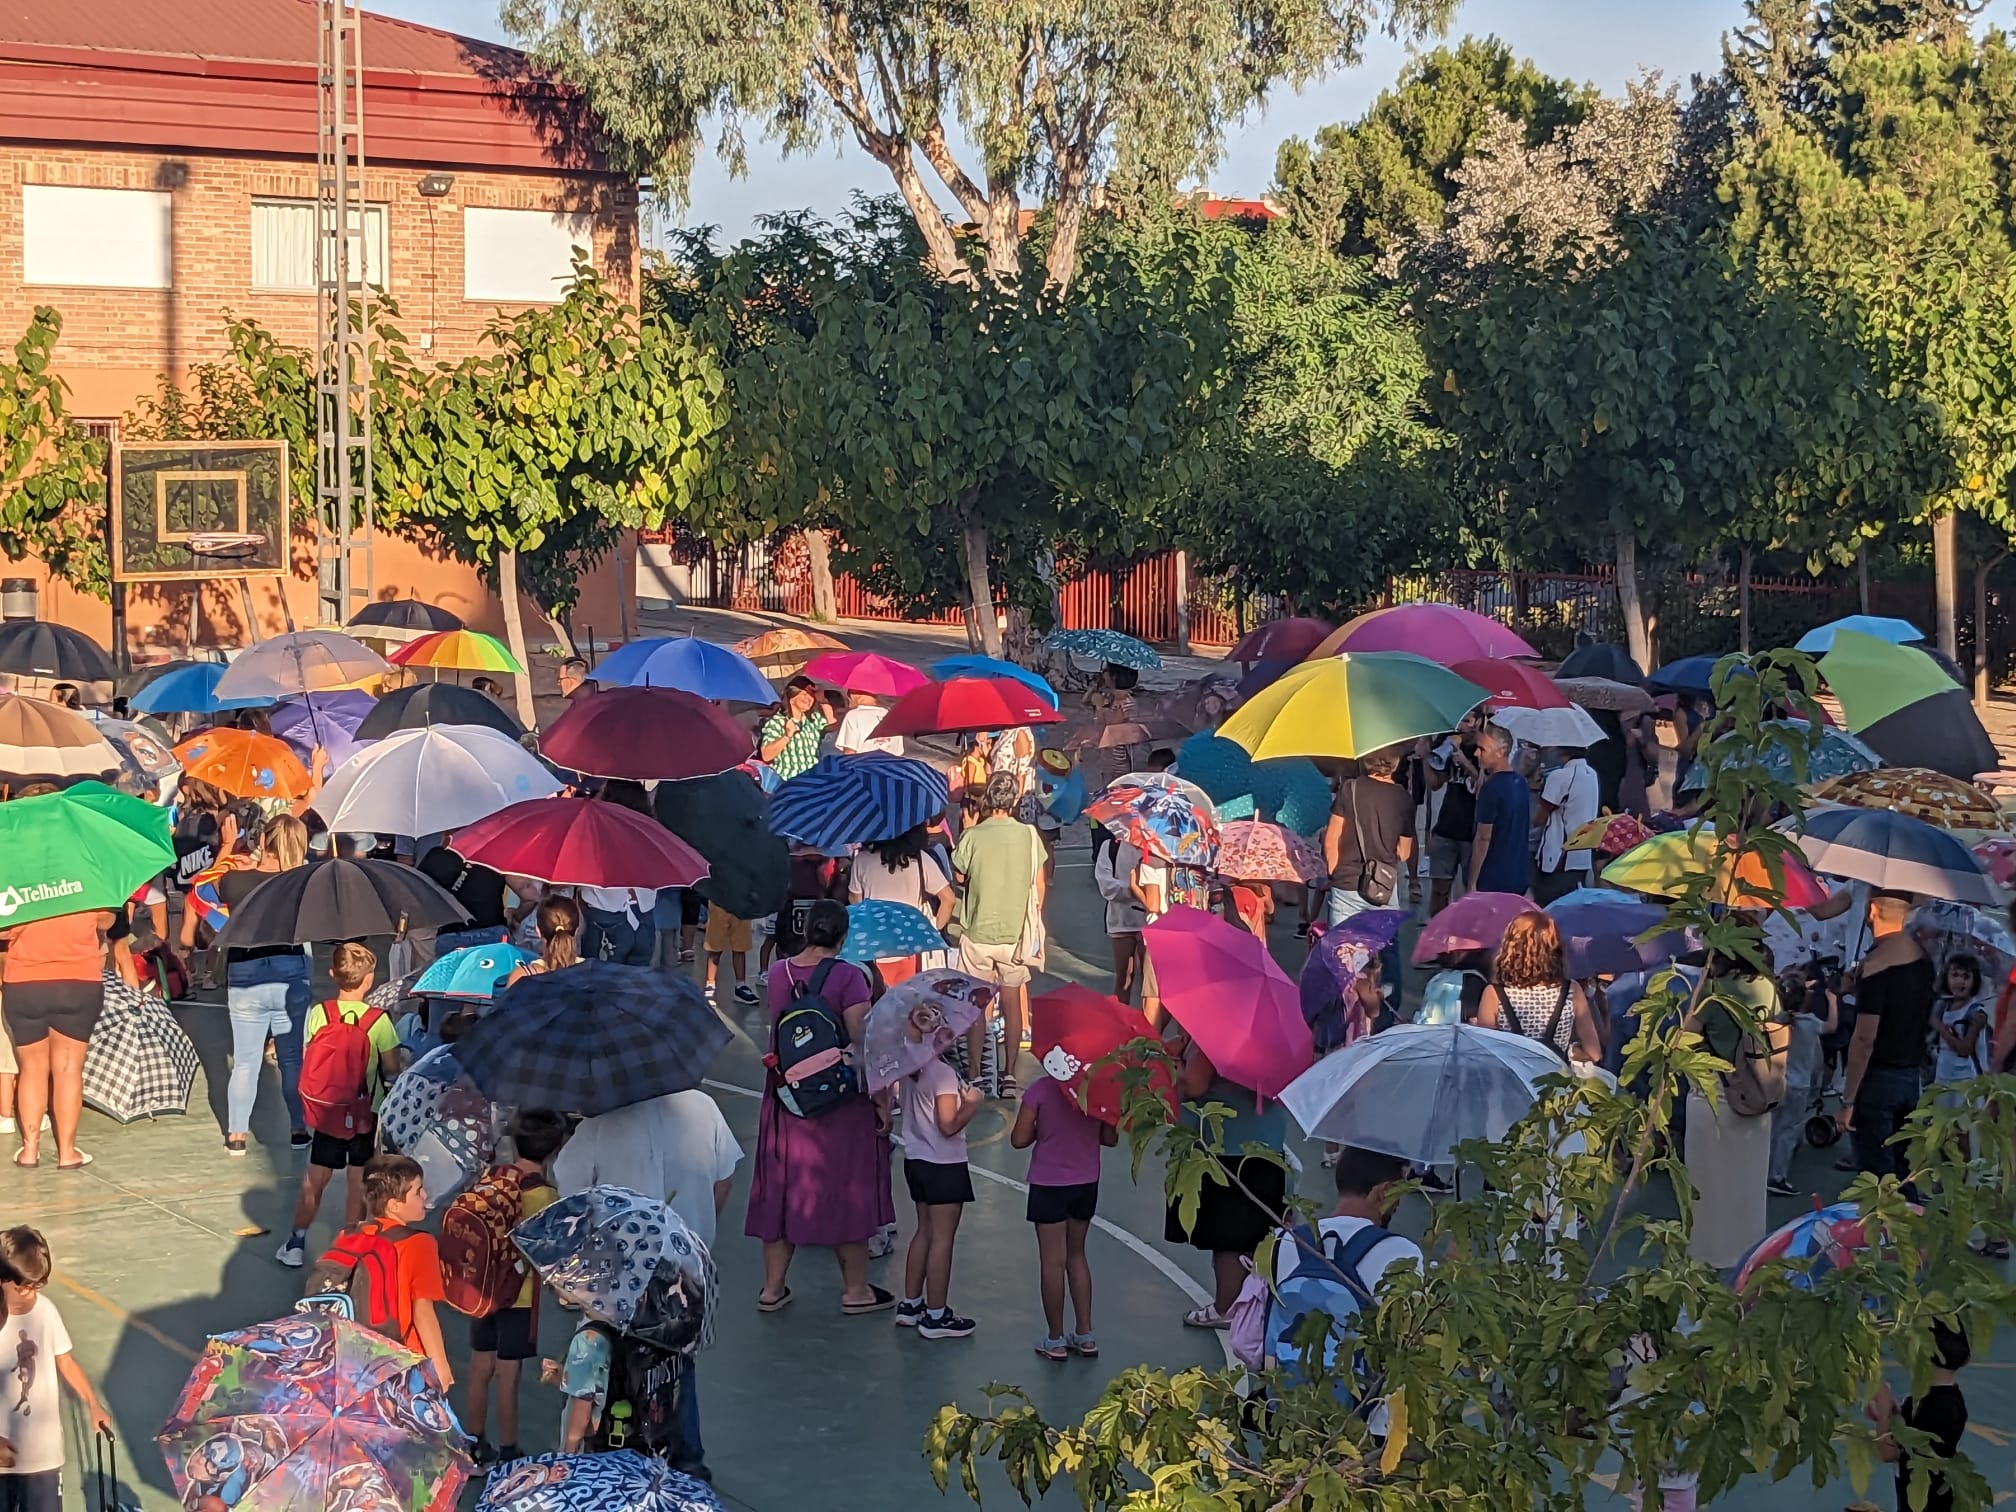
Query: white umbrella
{"x": 1419, "y": 1090}
{"x": 440, "y": 777}
{"x": 301, "y": 661}
{"x": 1570, "y": 727}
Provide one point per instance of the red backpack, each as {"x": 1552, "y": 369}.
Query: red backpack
{"x": 480, "y": 1270}
{"x": 363, "y": 1264}
{"x": 336, "y": 1074}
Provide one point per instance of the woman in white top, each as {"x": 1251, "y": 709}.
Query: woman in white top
{"x": 1531, "y": 995}
{"x": 903, "y": 871}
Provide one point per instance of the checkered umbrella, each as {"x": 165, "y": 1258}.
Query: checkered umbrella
{"x": 140, "y": 1064}
{"x": 848, "y": 800}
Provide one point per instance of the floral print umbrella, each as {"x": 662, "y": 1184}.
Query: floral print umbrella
{"x": 918, "y": 1020}
{"x": 1253, "y": 850}
{"x": 1109, "y": 646}
{"x": 1162, "y": 816}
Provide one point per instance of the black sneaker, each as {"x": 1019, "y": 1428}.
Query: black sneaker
{"x": 483, "y": 1453}
{"x": 300, "y": 1139}
{"x": 944, "y": 1325}
{"x": 744, "y": 993}
{"x": 909, "y": 1314}
{"x": 1779, "y": 1188}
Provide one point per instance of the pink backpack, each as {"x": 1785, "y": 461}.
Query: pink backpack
{"x": 1246, "y": 1320}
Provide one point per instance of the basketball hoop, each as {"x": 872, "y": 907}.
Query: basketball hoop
{"x": 226, "y": 545}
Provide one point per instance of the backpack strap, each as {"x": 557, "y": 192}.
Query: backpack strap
{"x": 1351, "y": 1255}
{"x": 1554, "y": 1019}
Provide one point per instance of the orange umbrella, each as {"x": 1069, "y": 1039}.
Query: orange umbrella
{"x": 244, "y": 763}
{"x": 784, "y": 652}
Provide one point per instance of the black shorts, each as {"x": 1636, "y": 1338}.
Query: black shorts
{"x": 938, "y": 1185}
{"x": 1060, "y": 1204}
{"x": 35, "y": 1010}
{"x": 332, "y": 1154}
{"x": 1228, "y": 1221}
{"x": 512, "y": 1334}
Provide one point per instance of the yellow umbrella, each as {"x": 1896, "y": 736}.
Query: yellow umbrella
{"x": 1663, "y": 866}
{"x": 1352, "y": 705}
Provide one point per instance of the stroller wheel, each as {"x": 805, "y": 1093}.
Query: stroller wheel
{"x": 1822, "y": 1131}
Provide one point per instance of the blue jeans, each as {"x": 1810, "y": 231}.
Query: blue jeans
{"x": 266, "y": 997}
{"x": 1882, "y": 1103}
{"x": 687, "y": 1453}
{"x": 612, "y": 937}
{"x": 1344, "y": 903}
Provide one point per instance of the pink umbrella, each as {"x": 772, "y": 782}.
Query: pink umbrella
{"x": 1253, "y": 850}
{"x": 1440, "y": 632}
{"x": 1475, "y": 921}
{"x": 1222, "y": 986}
{"x": 865, "y": 672}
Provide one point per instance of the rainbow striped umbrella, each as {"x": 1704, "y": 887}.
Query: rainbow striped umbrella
{"x": 458, "y": 651}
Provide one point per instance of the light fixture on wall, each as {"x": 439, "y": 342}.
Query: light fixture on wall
{"x": 435, "y": 185}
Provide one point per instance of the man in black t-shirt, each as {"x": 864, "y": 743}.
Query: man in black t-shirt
{"x": 1452, "y": 771}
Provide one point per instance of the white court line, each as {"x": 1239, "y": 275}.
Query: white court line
{"x": 1181, "y": 1279}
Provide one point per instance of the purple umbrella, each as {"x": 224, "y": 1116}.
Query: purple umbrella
{"x": 330, "y": 719}
{"x": 1603, "y": 939}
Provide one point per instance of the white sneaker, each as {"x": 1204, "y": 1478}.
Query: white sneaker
{"x": 290, "y": 1255}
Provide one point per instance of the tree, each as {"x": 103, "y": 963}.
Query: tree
{"x": 52, "y": 478}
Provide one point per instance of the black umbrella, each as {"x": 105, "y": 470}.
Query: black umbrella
{"x": 1605, "y": 660}
{"x": 1941, "y": 732}
{"x": 404, "y": 614}
{"x": 727, "y": 819}
{"x": 340, "y": 900}
{"x": 36, "y": 648}
{"x": 432, "y": 703}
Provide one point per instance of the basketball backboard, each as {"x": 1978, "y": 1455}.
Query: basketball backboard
{"x": 199, "y": 509}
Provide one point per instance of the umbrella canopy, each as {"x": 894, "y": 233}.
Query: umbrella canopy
{"x": 645, "y": 734}
{"x": 1352, "y": 705}
{"x": 1418, "y": 1091}
{"x": 329, "y": 720}
{"x": 1690, "y": 674}
{"x": 139, "y": 1063}
{"x": 1073, "y": 1029}
{"x": 313, "y": 1411}
{"x": 1254, "y": 850}
{"x": 967, "y": 705}
{"x": 727, "y": 820}
{"x": 1283, "y": 640}
{"x": 1663, "y": 866}
{"x": 1605, "y": 660}
{"x": 918, "y": 1020}
{"x": 435, "y": 703}
{"x": 950, "y": 667}
{"x": 405, "y": 616}
{"x": 1941, "y": 732}
{"x": 457, "y": 651}
{"x": 620, "y": 1481}
{"x": 1223, "y": 987}
{"x": 474, "y": 972}
{"x": 1108, "y": 646}
{"x": 39, "y": 739}
{"x": 865, "y": 672}
{"x": 1288, "y": 790}
{"x": 1896, "y": 853}
{"x": 1162, "y": 815}
{"x": 188, "y": 689}
{"x": 1820, "y": 639}
{"x": 1834, "y": 753}
{"x": 1874, "y": 678}
{"x": 1810, "y": 1246}
{"x": 878, "y": 930}
{"x": 418, "y": 782}
{"x": 1441, "y": 632}
{"x": 36, "y": 648}
{"x": 1607, "y": 694}
{"x": 1612, "y": 834}
{"x": 1608, "y": 933}
{"x": 850, "y": 800}
{"x": 593, "y": 1038}
{"x": 580, "y": 842}
{"x": 1934, "y": 797}
{"x": 85, "y": 848}
{"x": 1511, "y": 684}
{"x": 339, "y": 900}
{"x": 620, "y": 1257}
{"x": 1946, "y": 929}
{"x": 784, "y": 652}
{"x": 1569, "y": 727}
{"x": 145, "y": 755}
{"x": 244, "y": 763}
{"x": 435, "y": 1114}
{"x": 301, "y": 661}
{"x": 692, "y": 666}
{"x": 1475, "y": 921}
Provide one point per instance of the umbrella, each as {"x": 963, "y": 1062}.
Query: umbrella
{"x": 878, "y": 930}
{"x": 1606, "y": 693}
{"x": 1441, "y": 632}
{"x": 301, "y": 661}
{"x": 145, "y": 757}
{"x": 457, "y": 651}
{"x": 1061, "y": 793}
{"x": 1344, "y": 948}
{"x": 1608, "y": 933}
{"x": 1264, "y": 674}
{"x": 1161, "y": 815}
{"x": 1690, "y": 674}
{"x": 339, "y": 900}
{"x": 645, "y": 734}
{"x": 1073, "y": 1029}
{"x": 993, "y": 666}
{"x": 1932, "y": 796}
{"x": 1896, "y": 853}
{"x": 39, "y": 739}
{"x": 1511, "y": 684}
{"x": 1222, "y": 986}
{"x": 1108, "y": 646}
{"x": 418, "y": 782}
{"x": 1288, "y": 790}
{"x": 188, "y": 689}
{"x": 435, "y": 703}
{"x": 1254, "y": 850}
{"x": 1202, "y": 702}
{"x": 917, "y": 1021}
{"x": 1130, "y": 733}
{"x": 865, "y": 672}
{"x": 313, "y": 1410}
{"x": 1820, "y": 639}
{"x": 36, "y": 648}
{"x": 1834, "y": 754}
{"x": 1569, "y": 727}
{"x": 593, "y": 1038}
{"x": 139, "y": 1063}
{"x": 580, "y": 842}
{"x": 727, "y": 820}
{"x": 1947, "y": 929}
{"x": 1605, "y": 660}
{"x": 623, "y": 1259}
{"x": 688, "y": 664}
{"x": 851, "y": 800}
{"x": 1475, "y": 921}
{"x": 1352, "y": 704}
{"x": 1905, "y": 707}
{"x": 404, "y": 618}
{"x": 1663, "y": 866}
{"x": 1612, "y": 834}
{"x": 244, "y": 763}
{"x": 1418, "y": 1091}
{"x": 1282, "y": 640}
{"x": 784, "y": 652}
{"x": 967, "y": 705}
{"x": 474, "y": 972}
{"x": 435, "y": 1114}
{"x": 1809, "y": 1247}
{"x": 329, "y": 720}
{"x": 85, "y": 848}
{"x": 620, "y": 1481}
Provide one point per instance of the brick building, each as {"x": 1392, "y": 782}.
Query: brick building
{"x": 157, "y": 170}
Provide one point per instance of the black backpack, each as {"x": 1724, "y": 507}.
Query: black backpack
{"x": 809, "y": 1050}
{"x": 644, "y": 1380}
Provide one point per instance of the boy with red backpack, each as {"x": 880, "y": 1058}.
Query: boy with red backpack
{"x": 350, "y": 1055}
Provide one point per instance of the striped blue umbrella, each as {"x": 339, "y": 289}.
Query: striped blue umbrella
{"x": 993, "y": 666}
{"x": 1105, "y": 645}
{"x": 878, "y": 930}
{"x": 1896, "y": 853}
{"x": 689, "y": 664}
{"x": 189, "y": 690}
{"x": 851, "y": 800}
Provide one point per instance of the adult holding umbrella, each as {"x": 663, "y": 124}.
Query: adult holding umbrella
{"x": 789, "y": 739}
{"x": 266, "y": 992}
{"x": 1895, "y": 985}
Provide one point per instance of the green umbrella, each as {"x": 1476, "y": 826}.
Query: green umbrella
{"x": 85, "y": 848}
{"x": 1874, "y": 679}
{"x": 1352, "y": 705}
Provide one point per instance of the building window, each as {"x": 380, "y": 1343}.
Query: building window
{"x": 283, "y": 246}
{"x": 96, "y": 238}
{"x": 521, "y": 256}
{"x": 105, "y": 431}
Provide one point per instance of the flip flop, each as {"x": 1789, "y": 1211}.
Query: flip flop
{"x": 884, "y": 1300}
{"x": 775, "y": 1304}
{"x": 26, "y": 1165}
{"x": 83, "y": 1159}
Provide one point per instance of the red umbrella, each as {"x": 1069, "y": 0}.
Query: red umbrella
{"x": 1074, "y": 1028}
{"x": 865, "y": 672}
{"x": 645, "y": 734}
{"x": 963, "y": 705}
{"x": 1512, "y": 684}
{"x": 580, "y": 842}
{"x": 1280, "y": 640}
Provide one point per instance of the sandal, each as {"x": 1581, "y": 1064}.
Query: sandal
{"x": 773, "y": 1304}
{"x": 1084, "y": 1345}
{"x": 83, "y": 1159}
{"x": 1205, "y": 1317}
{"x": 884, "y": 1299}
{"x": 1007, "y": 1089}
{"x": 27, "y": 1165}
{"x": 1053, "y": 1348}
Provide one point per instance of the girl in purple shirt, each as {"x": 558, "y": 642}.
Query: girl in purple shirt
{"x": 1063, "y": 1199}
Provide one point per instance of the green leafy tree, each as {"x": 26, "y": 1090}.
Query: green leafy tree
{"x": 52, "y": 476}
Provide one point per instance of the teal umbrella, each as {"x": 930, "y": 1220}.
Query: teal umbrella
{"x": 85, "y": 848}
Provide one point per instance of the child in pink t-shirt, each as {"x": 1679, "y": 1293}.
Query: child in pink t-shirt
{"x": 1063, "y": 1199}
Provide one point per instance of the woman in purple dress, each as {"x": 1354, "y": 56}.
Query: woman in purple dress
{"x": 824, "y": 1180}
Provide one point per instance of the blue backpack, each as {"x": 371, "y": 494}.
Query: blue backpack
{"x": 1325, "y": 1280}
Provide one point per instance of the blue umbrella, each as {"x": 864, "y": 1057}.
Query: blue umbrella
{"x": 1105, "y": 645}
{"x": 1896, "y": 853}
{"x": 1820, "y": 639}
{"x": 1290, "y": 789}
{"x": 621, "y": 1481}
{"x": 850, "y": 800}
{"x": 1690, "y": 674}
{"x": 189, "y": 690}
{"x": 1835, "y": 754}
{"x": 882, "y": 931}
{"x": 992, "y": 666}
{"x": 1602, "y": 932}
{"x": 475, "y": 971}
{"x": 689, "y": 664}
{"x": 329, "y": 720}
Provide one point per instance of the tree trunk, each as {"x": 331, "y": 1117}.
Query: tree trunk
{"x": 563, "y": 632}
{"x": 514, "y": 633}
{"x": 1631, "y": 601}
{"x": 1946, "y": 580}
{"x": 1743, "y": 601}
{"x": 981, "y": 589}
{"x": 825, "y": 608}
{"x": 1981, "y": 642}
{"x": 1862, "y": 576}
